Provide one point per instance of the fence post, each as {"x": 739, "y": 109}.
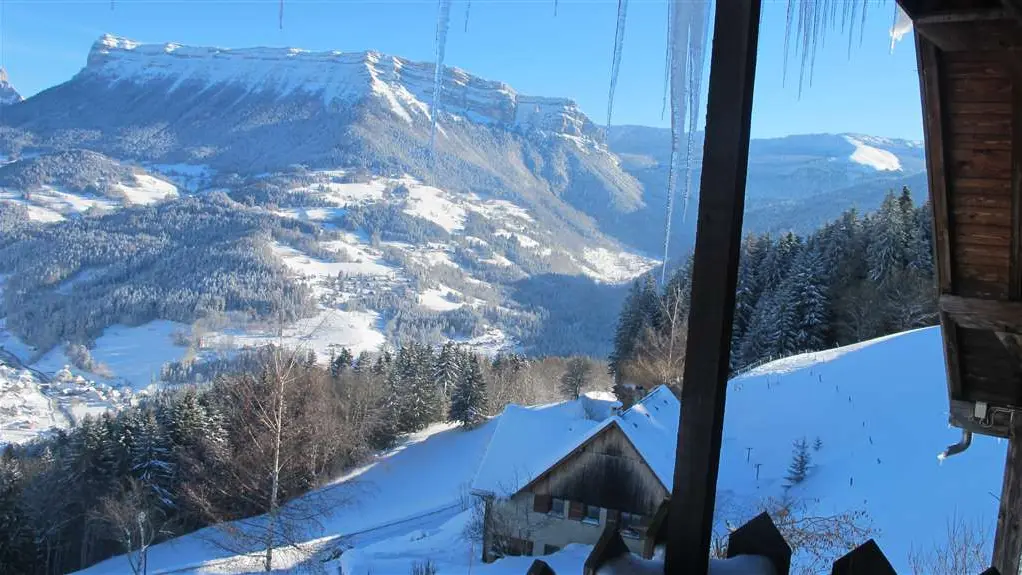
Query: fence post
{"x": 610, "y": 546}
{"x": 539, "y": 567}
{"x": 866, "y": 559}
{"x": 760, "y": 537}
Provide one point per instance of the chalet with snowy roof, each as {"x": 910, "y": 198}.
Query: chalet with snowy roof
{"x": 560, "y": 474}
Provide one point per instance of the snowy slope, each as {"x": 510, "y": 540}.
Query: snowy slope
{"x": 878, "y": 407}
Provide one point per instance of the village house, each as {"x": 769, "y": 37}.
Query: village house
{"x": 557, "y": 475}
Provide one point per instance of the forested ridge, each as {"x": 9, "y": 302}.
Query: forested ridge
{"x": 856, "y": 278}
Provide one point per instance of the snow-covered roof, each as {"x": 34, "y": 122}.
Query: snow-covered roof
{"x": 527, "y": 441}
{"x": 530, "y": 441}
{"x": 652, "y": 426}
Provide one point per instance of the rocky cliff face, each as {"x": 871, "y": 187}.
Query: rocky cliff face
{"x": 338, "y": 78}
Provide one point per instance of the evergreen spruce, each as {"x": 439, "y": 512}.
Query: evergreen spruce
{"x": 801, "y": 461}
{"x": 468, "y": 404}
{"x": 446, "y": 372}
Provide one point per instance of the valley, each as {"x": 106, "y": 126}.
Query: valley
{"x": 530, "y": 201}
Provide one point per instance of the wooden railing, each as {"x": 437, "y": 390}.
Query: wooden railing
{"x": 758, "y": 537}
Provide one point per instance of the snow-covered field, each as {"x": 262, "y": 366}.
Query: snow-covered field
{"x": 879, "y": 409}
{"x": 50, "y": 204}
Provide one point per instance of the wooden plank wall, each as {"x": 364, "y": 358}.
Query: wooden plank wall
{"x": 607, "y": 471}
{"x": 978, "y": 143}
{"x": 981, "y": 213}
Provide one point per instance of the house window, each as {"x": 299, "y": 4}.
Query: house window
{"x": 592, "y": 515}
{"x": 548, "y": 549}
{"x": 576, "y": 510}
{"x": 516, "y": 546}
{"x": 541, "y": 503}
{"x": 631, "y": 525}
{"x": 557, "y": 507}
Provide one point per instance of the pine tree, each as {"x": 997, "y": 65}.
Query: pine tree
{"x": 362, "y": 363}
{"x": 446, "y": 372}
{"x": 468, "y": 403}
{"x": 807, "y": 296}
{"x": 629, "y": 326}
{"x": 341, "y": 363}
{"x": 16, "y": 545}
{"x": 887, "y": 240}
{"x": 801, "y": 461}
{"x": 151, "y": 460}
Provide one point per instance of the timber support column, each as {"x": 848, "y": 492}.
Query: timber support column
{"x": 714, "y": 278}
{"x": 1008, "y": 539}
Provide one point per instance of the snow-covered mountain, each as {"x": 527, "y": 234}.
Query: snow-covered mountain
{"x": 879, "y": 458}
{"x": 8, "y": 95}
{"x": 795, "y": 182}
{"x": 339, "y": 79}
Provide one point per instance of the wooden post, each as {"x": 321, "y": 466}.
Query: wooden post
{"x": 760, "y": 537}
{"x": 866, "y": 559}
{"x": 540, "y": 567}
{"x": 714, "y": 278}
{"x": 610, "y": 546}
{"x": 1008, "y": 538}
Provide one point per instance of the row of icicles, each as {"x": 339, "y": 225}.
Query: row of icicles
{"x": 685, "y": 68}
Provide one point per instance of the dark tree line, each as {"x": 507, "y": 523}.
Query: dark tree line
{"x": 208, "y": 453}
{"x": 856, "y": 278}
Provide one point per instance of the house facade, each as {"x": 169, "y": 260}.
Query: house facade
{"x": 583, "y": 476}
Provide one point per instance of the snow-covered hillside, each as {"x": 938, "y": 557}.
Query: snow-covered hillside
{"x": 879, "y": 409}
{"x": 410, "y": 251}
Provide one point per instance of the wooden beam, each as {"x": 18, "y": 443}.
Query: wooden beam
{"x": 985, "y": 314}
{"x": 1015, "y": 259}
{"x": 1008, "y": 538}
{"x": 935, "y": 127}
{"x": 971, "y": 31}
{"x": 714, "y": 278}
{"x": 963, "y": 416}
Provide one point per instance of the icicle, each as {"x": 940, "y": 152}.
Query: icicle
{"x": 280, "y": 15}
{"x": 787, "y": 40}
{"x": 468, "y": 8}
{"x": 615, "y": 66}
{"x": 902, "y": 24}
{"x": 443, "y": 22}
{"x": 555, "y": 8}
{"x": 695, "y": 97}
{"x": 689, "y": 29}
{"x": 667, "y": 63}
{"x": 812, "y": 18}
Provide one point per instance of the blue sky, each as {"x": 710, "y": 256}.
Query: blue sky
{"x": 520, "y": 42}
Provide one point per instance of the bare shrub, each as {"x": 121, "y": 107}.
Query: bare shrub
{"x": 962, "y": 551}
{"x": 816, "y": 540}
